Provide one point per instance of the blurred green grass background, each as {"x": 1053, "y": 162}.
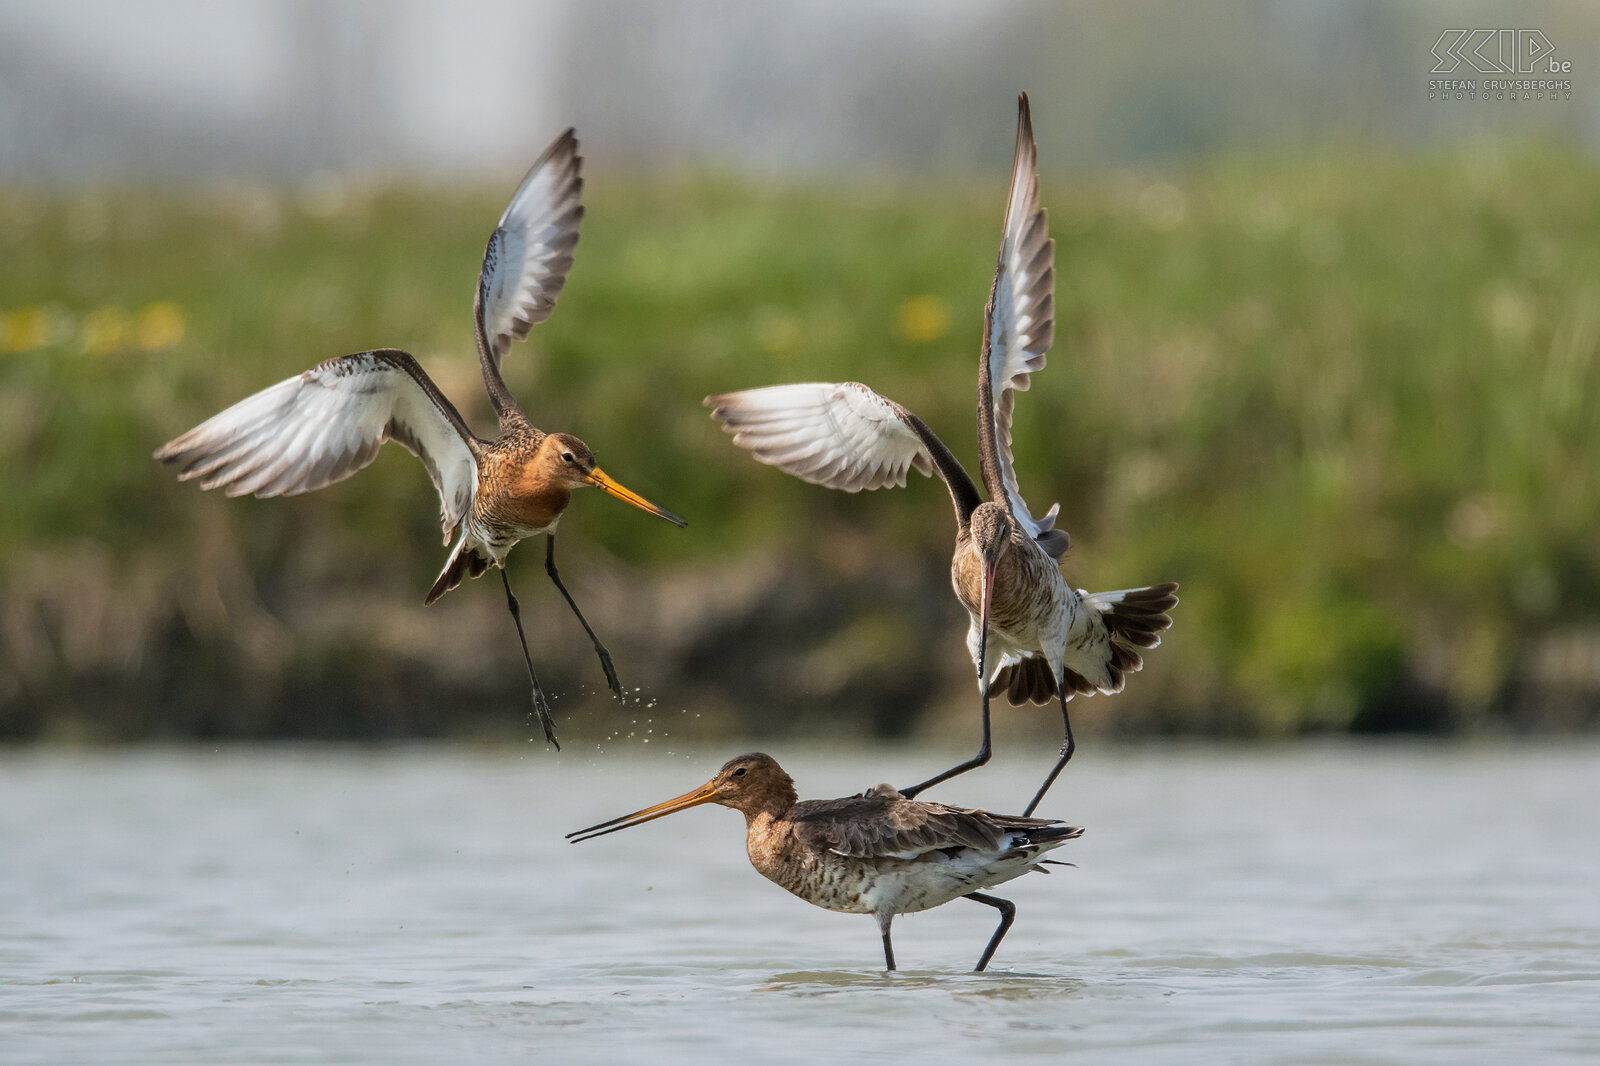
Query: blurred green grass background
{"x": 1351, "y": 401}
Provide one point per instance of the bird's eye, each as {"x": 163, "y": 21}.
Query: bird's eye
{"x": 568, "y": 457}
{"x": 739, "y": 772}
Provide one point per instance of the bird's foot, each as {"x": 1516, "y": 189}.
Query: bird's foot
{"x": 611, "y": 673}
{"x": 541, "y": 709}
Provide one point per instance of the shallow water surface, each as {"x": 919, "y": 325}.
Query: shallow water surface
{"x": 1360, "y": 904}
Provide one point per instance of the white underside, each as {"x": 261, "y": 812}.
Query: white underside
{"x": 1073, "y": 638}
{"x": 937, "y": 878}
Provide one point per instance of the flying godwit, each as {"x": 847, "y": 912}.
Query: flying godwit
{"x": 327, "y": 423}
{"x": 878, "y": 853}
{"x": 1031, "y": 634}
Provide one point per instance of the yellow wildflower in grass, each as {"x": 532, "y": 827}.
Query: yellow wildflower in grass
{"x": 25, "y": 329}
{"x": 922, "y": 319}
{"x": 159, "y": 326}
{"x": 104, "y": 330}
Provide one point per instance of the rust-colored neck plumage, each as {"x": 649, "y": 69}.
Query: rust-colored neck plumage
{"x": 526, "y": 478}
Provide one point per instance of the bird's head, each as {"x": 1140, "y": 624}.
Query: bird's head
{"x": 750, "y": 784}
{"x": 567, "y": 461}
{"x": 991, "y": 533}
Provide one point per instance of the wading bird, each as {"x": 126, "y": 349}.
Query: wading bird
{"x": 1031, "y": 634}
{"x": 322, "y": 426}
{"x": 878, "y": 853}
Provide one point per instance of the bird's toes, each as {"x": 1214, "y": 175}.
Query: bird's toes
{"x": 541, "y": 710}
{"x": 611, "y": 676}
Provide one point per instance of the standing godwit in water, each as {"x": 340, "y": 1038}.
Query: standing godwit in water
{"x": 878, "y": 853}
{"x": 327, "y": 423}
{"x": 1031, "y": 634}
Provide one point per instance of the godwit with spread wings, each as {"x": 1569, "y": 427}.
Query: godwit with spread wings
{"x": 1031, "y": 634}
{"x": 327, "y": 423}
{"x": 878, "y": 853}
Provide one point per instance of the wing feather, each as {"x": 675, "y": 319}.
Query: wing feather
{"x": 883, "y": 824}
{"x": 530, "y": 252}
{"x": 1021, "y": 320}
{"x": 842, "y": 435}
{"x": 322, "y": 426}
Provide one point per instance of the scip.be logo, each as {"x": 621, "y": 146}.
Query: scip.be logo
{"x": 1498, "y": 52}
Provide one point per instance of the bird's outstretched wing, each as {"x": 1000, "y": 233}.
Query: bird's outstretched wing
{"x": 842, "y": 435}
{"x": 526, "y": 262}
{"x": 324, "y": 425}
{"x": 1019, "y": 326}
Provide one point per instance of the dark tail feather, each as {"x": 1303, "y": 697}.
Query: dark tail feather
{"x": 1028, "y": 681}
{"x": 462, "y": 565}
{"x": 1124, "y": 661}
{"x": 1048, "y": 838}
{"x": 1137, "y": 616}
{"x": 1134, "y": 618}
{"x": 1078, "y": 685}
{"x": 1051, "y": 833}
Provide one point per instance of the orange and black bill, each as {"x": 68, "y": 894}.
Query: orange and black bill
{"x": 601, "y": 480}
{"x": 704, "y": 794}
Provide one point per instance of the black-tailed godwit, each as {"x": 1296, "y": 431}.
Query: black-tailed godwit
{"x": 878, "y": 853}
{"x": 1031, "y": 634}
{"x": 322, "y": 426}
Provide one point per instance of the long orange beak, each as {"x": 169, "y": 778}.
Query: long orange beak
{"x": 706, "y": 793}
{"x": 601, "y": 480}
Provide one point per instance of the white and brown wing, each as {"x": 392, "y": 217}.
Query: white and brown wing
{"x": 327, "y": 423}
{"x": 842, "y": 435}
{"x": 526, "y": 262}
{"x": 1020, "y": 322}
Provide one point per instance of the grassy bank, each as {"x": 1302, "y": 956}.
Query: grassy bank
{"x": 1352, "y": 404}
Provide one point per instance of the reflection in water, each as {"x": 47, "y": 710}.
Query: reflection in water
{"x": 997, "y": 984}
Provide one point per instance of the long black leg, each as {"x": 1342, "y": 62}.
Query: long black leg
{"x": 541, "y": 706}
{"x": 1008, "y": 914}
{"x": 983, "y": 751}
{"x": 1067, "y": 748}
{"x": 605, "y": 656}
{"x": 888, "y": 948}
